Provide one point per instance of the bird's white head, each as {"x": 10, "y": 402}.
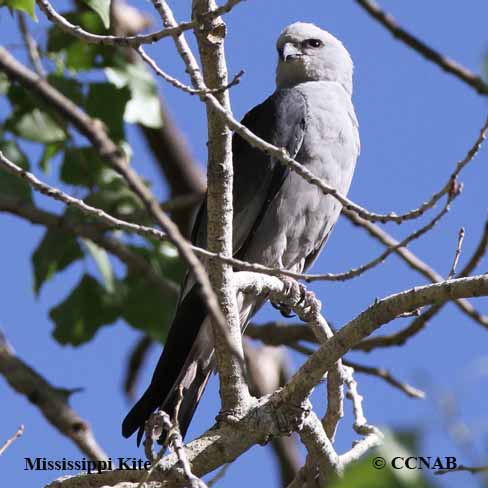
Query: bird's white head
{"x": 308, "y": 53}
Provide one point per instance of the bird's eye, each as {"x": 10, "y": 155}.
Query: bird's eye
{"x": 313, "y": 43}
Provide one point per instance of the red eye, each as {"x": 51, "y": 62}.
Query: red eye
{"x": 313, "y": 42}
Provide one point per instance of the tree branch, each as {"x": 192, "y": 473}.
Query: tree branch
{"x": 230, "y": 360}
{"x": 448, "y": 65}
{"x": 51, "y": 401}
{"x": 94, "y": 131}
{"x": 387, "y": 376}
{"x": 121, "y": 41}
{"x": 281, "y": 155}
{"x": 378, "y": 314}
{"x": 12, "y": 439}
{"x": 134, "y": 262}
{"x": 225, "y": 442}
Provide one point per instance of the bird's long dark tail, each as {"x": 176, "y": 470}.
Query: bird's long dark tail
{"x": 185, "y": 361}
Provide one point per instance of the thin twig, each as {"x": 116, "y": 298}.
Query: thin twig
{"x": 52, "y": 402}
{"x": 399, "y": 338}
{"x": 12, "y": 439}
{"x": 355, "y": 272}
{"x": 423, "y": 268}
{"x": 178, "y": 84}
{"x": 426, "y": 51}
{"x": 224, "y": 442}
{"x": 282, "y": 155}
{"x": 384, "y": 374}
{"x": 122, "y": 41}
{"x": 457, "y": 254}
{"x": 31, "y": 45}
{"x": 381, "y": 312}
{"x": 136, "y": 263}
{"x": 117, "y": 160}
{"x": 381, "y": 373}
{"x": 462, "y": 467}
{"x": 478, "y": 254}
{"x": 372, "y": 435}
{"x": 229, "y": 354}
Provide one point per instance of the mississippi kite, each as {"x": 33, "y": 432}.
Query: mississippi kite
{"x": 280, "y": 220}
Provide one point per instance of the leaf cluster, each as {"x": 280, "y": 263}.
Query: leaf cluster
{"x": 115, "y": 92}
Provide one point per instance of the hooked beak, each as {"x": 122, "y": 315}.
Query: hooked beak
{"x": 290, "y": 52}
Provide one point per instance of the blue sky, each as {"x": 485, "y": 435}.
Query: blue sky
{"x": 416, "y": 122}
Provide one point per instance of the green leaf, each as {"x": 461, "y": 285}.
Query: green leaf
{"x": 4, "y": 83}
{"x": 113, "y": 195}
{"x": 169, "y": 262}
{"x": 87, "y": 308}
{"x": 56, "y": 251}
{"x": 144, "y": 105}
{"x": 107, "y": 103}
{"x": 36, "y": 126}
{"x": 21, "y": 99}
{"x": 79, "y": 55}
{"x": 11, "y": 185}
{"x": 363, "y": 474}
{"x": 27, "y": 6}
{"x": 144, "y": 308}
{"x": 81, "y": 166}
{"x": 103, "y": 264}
{"x": 50, "y": 150}
{"x": 102, "y": 8}
{"x": 69, "y": 87}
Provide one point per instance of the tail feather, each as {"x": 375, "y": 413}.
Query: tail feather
{"x": 186, "y": 361}
{"x": 171, "y": 366}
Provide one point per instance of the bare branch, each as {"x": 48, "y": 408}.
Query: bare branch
{"x": 174, "y": 441}
{"x": 378, "y": 314}
{"x": 31, "y": 45}
{"x": 448, "y": 65}
{"x": 457, "y": 254}
{"x": 178, "y": 84}
{"x": 223, "y": 443}
{"x": 355, "y": 272}
{"x": 423, "y": 268}
{"x": 12, "y": 439}
{"x": 372, "y": 435}
{"x": 282, "y": 155}
{"x": 134, "y": 262}
{"x": 320, "y": 449}
{"x": 227, "y": 340}
{"x": 133, "y": 41}
{"x": 478, "y": 254}
{"x": 116, "y": 158}
{"x": 387, "y": 376}
{"x": 52, "y": 402}
{"x": 276, "y": 334}
{"x": 462, "y": 467}
{"x": 335, "y": 401}
{"x": 399, "y": 338}
{"x": 268, "y": 369}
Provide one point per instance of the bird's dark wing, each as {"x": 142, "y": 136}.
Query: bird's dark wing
{"x": 279, "y": 120}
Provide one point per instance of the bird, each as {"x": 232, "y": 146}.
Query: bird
{"x": 280, "y": 220}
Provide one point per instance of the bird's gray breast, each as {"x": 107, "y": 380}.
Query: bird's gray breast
{"x": 300, "y": 217}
